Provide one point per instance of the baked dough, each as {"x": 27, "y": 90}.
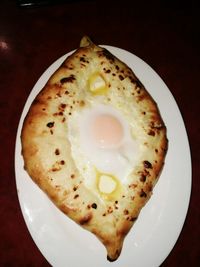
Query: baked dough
{"x": 46, "y": 148}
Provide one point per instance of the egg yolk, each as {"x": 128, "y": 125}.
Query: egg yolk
{"x": 107, "y": 130}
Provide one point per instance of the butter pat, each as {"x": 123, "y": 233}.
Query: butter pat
{"x": 106, "y": 184}
{"x": 97, "y": 84}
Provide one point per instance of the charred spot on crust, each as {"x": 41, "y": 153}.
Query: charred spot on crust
{"x": 131, "y": 79}
{"x": 110, "y": 259}
{"x": 143, "y": 175}
{"x": 36, "y": 101}
{"x": 57, "y": 165}
{"x": 60, "y": 113}
{"x": 62, "y": 106}
{"x": 57, "y": 151}
{"x": 116, "y": 205}
{"x": 82, "y": 103}
{"x": 147, "y": 164}
{"x": 138, "y": 83}
{"x": 117, "y": 253}
{"x": 108, "y": 55}
{"x": 132, "y": 219}
{"x": 68, "y": 79}
{"x": 143, "y": 178}
{"x": 121, "y": 77}
{"x": 85, "y": 219}
{"x": 129, "y": 219}
{"x": 150, "y": 187}
{"x": 94, "y": 205}
{"x": 164, "y": 149}
{"x": 55, "y": 169}
{"x": 126, "y": 212}
{"x": 40, "y": 102}
{"x": 135, "y": 81}
{"x": 58, "y": 95}
{"x": 75, "y": 187}
{"x": 83, "y": 59}
{"x": 151, "y": 132}
{"x": 143, "y": 194}
{"x": 133, "y": 185}
{"x": 50, "y": 124}
{"x": 109, "y": 210}
{"x": 107, "y": 71}
{"x": 141, "y": 97}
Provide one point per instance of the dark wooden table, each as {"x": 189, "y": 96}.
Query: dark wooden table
{"x": 166, "y": 36}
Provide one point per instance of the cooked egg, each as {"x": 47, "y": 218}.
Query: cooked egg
{"x": 102, "y": 147}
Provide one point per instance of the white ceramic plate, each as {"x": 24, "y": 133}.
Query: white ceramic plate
{"x": 64, "y": 243}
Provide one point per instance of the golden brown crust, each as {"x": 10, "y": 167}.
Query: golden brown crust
{"x": 47, "y": 154}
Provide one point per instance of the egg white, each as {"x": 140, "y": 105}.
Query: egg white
{"x": 89, "y": 158}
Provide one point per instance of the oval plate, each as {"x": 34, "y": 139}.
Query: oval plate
{"x": 63, "y": 242}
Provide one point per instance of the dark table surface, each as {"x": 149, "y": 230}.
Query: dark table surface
{"x": 164, "y": 34}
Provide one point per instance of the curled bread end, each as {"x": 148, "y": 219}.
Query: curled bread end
{"x": 85, "y": 41}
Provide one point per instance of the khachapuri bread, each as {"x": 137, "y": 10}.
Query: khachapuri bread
{"x": 94, "y": 141}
